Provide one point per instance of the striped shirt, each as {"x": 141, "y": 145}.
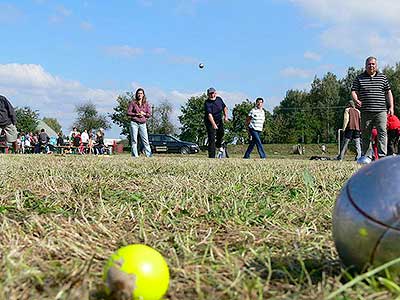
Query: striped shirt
{"x": 257, "y": 119}
{"x": 372, "y": 91}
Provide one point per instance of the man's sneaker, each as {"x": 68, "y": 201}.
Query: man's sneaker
{"x": 364, "y": 160}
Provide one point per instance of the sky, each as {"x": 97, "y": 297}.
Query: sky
{"x": 59, "y": 54}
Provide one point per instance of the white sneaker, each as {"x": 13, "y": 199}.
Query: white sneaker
{"x": 364, "y": 160}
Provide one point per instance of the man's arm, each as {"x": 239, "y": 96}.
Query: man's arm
{"x": 355, "y": 98}
{"x": 391, "y": 102}
{"x": 226, "y": 113}
{"x": 346, "y": 117}
{"x": 211, "y": 119}
{"x": 11, "y": 112}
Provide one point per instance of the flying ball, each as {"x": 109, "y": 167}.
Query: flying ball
{"x": 366, "y": 217}
{"x": 201, "y": 65}
{"x": 136, "y": 272}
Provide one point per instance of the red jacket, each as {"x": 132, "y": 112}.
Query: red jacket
{"x": 393, "y": 122}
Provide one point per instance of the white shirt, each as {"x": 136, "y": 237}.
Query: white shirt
{"x": 85, "y": 137}
{"x": 257, "y": 119}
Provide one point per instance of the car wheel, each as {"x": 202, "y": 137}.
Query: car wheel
{"x": 184, "y": 150}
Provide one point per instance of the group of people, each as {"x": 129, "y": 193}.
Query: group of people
{"x": 85, "y": 142}
{"x": 75, "y": 142}
{"x": 371, "y": 109}
{"x": 369, "y": 118}
{"x": 215, "y": 114}
{"x": 36, "y": 142}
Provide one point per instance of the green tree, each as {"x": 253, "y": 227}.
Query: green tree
{"x": 293, "y": 118}
{"x": 119, "y": 116}
{"x": 160, "y": 122}
{"x": 192, "y": 120}
{"x": 53, "y": 124}
{"x": 237, "y": 129}
{"x": 88, "y": 118}
{"x": 325, "y": 99}
{"x": 27, "y": 119}
{"x": 393, "y": 74}
{"x": 278, "y": 128}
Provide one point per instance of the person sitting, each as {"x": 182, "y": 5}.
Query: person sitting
{"x": 27, "y": 143}
{"x": 76, "y": 142}
{"x": 85, "y": 139}
{"x": 99, "y": 143}
{"x": 60, "y": 139}
{"x": 43, "y": 140}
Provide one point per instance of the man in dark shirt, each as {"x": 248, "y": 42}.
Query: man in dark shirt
{"x": 370, "y": 91}
{"x": 215, "y": 112}
{"x": 7, "y": 122}
{"x": 43, "y": 140}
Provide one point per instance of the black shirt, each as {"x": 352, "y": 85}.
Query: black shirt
{"x": 214, "y": 107}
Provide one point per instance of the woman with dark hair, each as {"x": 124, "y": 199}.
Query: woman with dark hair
{"x": 139, "y": 111}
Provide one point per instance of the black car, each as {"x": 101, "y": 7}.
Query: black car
{"x": 163, "y": 143}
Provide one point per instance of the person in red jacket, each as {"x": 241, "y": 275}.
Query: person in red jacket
{"x": 393, "y": 130}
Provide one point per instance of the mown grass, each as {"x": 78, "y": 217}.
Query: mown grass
{"x": 229, "y": 229}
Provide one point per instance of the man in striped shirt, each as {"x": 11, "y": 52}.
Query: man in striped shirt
{"x": 254, "y": 123}
{"x": 370, "y": 91}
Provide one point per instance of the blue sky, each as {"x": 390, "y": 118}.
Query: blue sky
{"x": 56, "y": 54}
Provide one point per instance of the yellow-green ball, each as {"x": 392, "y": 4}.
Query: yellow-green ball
{"x": 137, "y": 271}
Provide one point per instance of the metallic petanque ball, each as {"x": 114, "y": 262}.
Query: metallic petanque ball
{"x": 366, "y": 217}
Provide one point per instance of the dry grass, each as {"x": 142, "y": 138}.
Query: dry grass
{"x": 229, "y": 229}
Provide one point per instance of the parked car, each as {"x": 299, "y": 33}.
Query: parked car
{"x": 163, "y": 143}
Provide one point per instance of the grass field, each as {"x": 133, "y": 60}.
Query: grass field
{"x": 229, "y": 229}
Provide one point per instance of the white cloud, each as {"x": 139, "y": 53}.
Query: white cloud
{"x": 296, "y": 72}
{"x": 124, "y": 51}
{"x": 159, "y": 51}
{"x": 31, "y": 85}
{"x": 182, "y": 59}
{"x": 312, "y": 56}
{"x": 358, "y": 27}
{"x": 61, "y": 13}
{"x": 87, "y": 26}
{"x": 177, "y": 98}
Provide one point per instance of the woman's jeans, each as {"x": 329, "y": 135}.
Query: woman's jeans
{"x": 255, "y": 141}
{"x": 142, "y": 130}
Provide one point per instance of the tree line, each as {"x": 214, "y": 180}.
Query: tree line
{"x": 312, "y": 116}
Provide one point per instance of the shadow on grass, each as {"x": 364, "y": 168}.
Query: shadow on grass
{"x": 295, "y": 270}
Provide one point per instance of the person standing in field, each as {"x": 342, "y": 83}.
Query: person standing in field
{"x": 352, "y": 129}
{"x": 393, "y": 128}
{"x": 139, "y": 111}
{"x": 369, "y": 92}
{"x": 8, "y": 120}
{"x": 215, "y": 113}
{"x": 254, "y": 123}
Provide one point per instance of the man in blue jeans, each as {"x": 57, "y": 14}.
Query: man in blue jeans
{"x": 254, "y": 123}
